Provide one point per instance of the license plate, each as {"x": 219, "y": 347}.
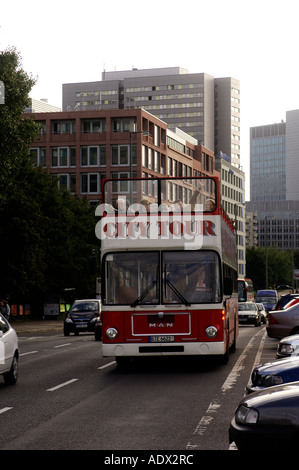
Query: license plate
{"x": 81, "y": 326}
{"x": 161, "y": 339}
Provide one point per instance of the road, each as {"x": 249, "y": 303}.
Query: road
{"x": 69, "y": 397}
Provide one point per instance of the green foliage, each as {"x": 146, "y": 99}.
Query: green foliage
{"x": 46, "y": 234}
{"x": 279, "y": 266}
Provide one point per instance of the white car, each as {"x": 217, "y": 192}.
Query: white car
{"x": 9, "y": 352}
{"x": 249, "y": 313}
{"x": 288, "y": 346}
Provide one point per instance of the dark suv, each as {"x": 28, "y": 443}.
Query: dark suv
{"x": 82, "y": 316}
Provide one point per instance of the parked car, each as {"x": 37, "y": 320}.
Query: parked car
{"x": 249, "y": 313}
{"x": 267, "y": 420}
{"x": 274, "y": 373}
{"x": 263, "y": 312}
{"x": 288, "y": 346}
{"x": 282, "y": 323}
{"x": 82, "y": 316}
{"x": 267, "y": 297}
{"x": 9, "y": 352}
{"x": 286, "y": 301}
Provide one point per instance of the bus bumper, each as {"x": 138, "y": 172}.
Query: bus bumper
{"x": 163, "y": 349}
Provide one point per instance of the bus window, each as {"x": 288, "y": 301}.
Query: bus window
{"x": 191, "y": 277}
{"x": 131, "y": 278}
{"x": 245, "y": 290}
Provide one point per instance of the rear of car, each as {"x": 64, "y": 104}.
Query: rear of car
{"x": 9, "y": 352}
{"x": 282, "y": 323}
{"x": 83, "y": 316}
{"x": 267, "y": 297}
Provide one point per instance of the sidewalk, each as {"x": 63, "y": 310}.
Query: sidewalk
{"x": 27, "y": 325}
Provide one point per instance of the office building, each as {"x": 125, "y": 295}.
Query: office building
{"x": 274, "y": 177}
{"x": 233, "y": 202}
{"x": 204, "y": 107}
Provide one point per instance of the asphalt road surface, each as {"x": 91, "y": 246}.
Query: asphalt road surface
{"x": 68, "y": 397}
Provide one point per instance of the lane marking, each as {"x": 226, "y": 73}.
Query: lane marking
{"x": 239, "y": 366}
{"x": 231, "y": 379}
{"x": 107, "y": 365}
{"x": 62, "y": 345}
{"x": 61, "y": 385}
{"x": 30, "y": 352}
{"x": 7, "y": 408}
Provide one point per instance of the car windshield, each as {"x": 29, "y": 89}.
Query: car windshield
{"x": 245, "y": 307}
{"x": 85, "y": 307}
{"x": 168, "y": 277}
{"x": 267, "y": 300}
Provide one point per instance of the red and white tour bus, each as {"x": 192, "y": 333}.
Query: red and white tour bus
{"x": 168, "y": 269}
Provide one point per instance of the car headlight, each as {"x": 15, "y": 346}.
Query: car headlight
{"x": 112, "y": 333}
{"x": 285, "y": 349}
{"x": 271, "y": 380}
{"x": 211, "y": 332}
{"x": 245, "y": 415}
{"x": 68, "y": 320}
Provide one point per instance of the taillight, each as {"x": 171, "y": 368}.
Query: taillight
{"x": 272, "y": 320}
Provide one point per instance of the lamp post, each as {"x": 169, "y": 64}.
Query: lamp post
{"x": 266, "y": 253}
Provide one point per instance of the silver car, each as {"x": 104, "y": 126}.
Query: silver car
{"x": 288, "y": 346}
{"x": 9, "y": 352}
{"x": 249, "y": 313}
{"x": 282, "y": 323}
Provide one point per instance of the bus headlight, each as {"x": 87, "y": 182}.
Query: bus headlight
{"x": 112, "y": 333}
{"x": 211, "y": 332}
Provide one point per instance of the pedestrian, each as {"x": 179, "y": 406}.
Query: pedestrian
{"x": 5, "y": 309}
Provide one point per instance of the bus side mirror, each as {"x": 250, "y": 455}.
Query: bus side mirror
{"x": 228, "y": 286}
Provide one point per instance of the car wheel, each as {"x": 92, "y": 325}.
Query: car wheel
{"x": 11, "y": 377}
{"x": 66, "y": 332}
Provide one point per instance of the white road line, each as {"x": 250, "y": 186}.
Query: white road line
{"x": 62, "y": 345}
{"x": 61, "y": 385}
{"x": 107, "y": 365}
{"x": 231, "y": 379}
{"x": 238, "y": 367}
{"x": 30, "y": 352}
{"x": 7, "y": 408}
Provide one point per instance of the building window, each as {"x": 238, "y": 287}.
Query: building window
{"x": 90, "y": 183}
{"x": 93, "y": 155}
{"x": 67, "y": 182}
{"x": 120, "y": 154}
{"x": 63, "y": 157}
{"x": 38, "y": 156}
{"x": 124, "y": 125}
{"x": 120, "y": 186}
{"x": 64, "y": 127}
{"x": 93, "y": 126}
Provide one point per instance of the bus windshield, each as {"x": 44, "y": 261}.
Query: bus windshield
{"x": 135, "y": 278}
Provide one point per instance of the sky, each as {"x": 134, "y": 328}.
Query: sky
{"x": 255, "y": 42}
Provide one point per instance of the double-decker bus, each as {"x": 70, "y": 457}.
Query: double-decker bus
{"x": 245, "y": 290}
{"x": 168, "y": 269}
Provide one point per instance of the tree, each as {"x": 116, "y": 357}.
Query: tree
{"x": 46, "y": 234}
{"x": 279, "y": 266}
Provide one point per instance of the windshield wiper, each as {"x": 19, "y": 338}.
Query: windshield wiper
{"x": 174, "y": 289}
{"x": 144, "y": 293}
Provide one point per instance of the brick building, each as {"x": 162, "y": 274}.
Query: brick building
{"x": 82, "y": 148}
